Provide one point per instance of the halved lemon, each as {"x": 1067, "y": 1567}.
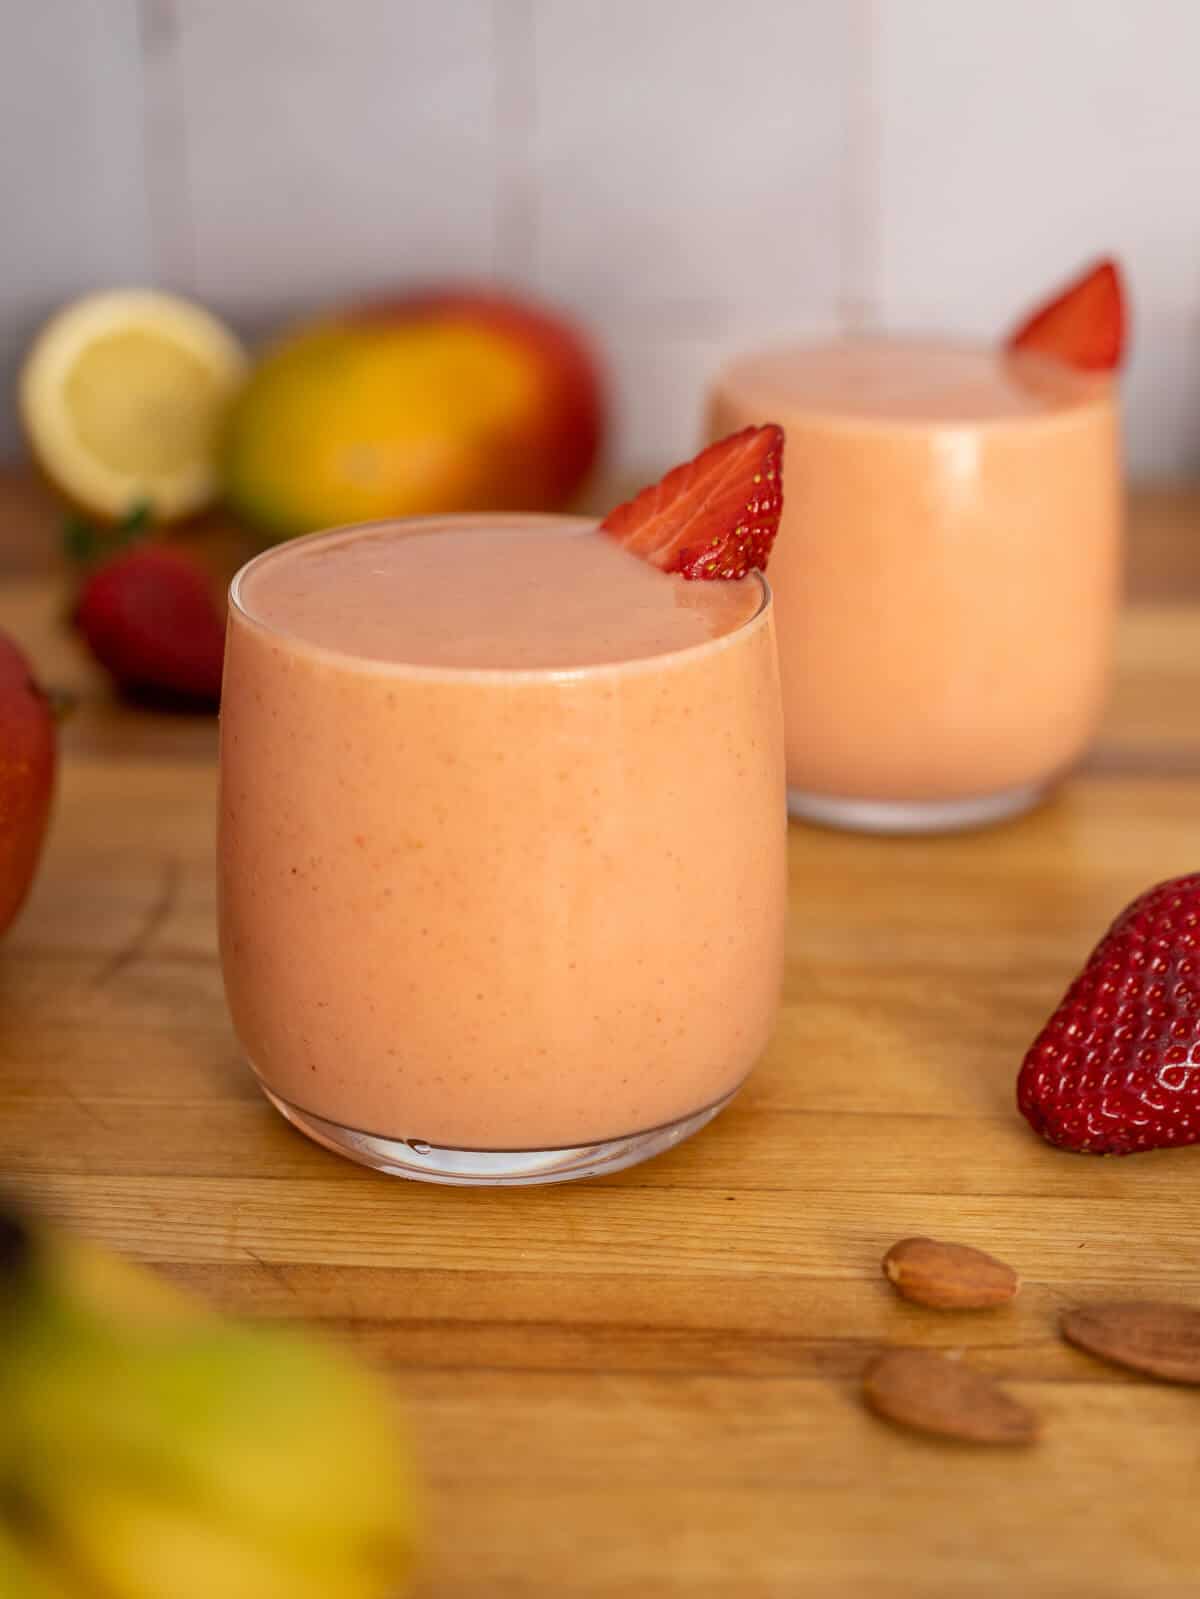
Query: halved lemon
{"x": 124, "y": 395}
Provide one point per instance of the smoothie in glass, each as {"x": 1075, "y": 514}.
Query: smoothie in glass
{"x": 502, "y": 833}
{"x": 946, "y": 579}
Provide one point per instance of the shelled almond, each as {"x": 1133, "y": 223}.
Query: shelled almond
{"x": 1162, "y": 1340}
{"x": 921, "y": 1389}
{"x": 947, "y": 1276}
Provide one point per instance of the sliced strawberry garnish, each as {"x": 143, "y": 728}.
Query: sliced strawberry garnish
{"x": 1084, "y": 325}
{"x": 715, "y": 516}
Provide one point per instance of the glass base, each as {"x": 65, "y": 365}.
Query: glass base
{"x": 913, "y": 816}
{"x": 492, "y": 1168}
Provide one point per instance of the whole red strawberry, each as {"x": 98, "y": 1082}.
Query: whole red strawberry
{"x": 1116, "y": 1069}
{"x": 150, "y": 619}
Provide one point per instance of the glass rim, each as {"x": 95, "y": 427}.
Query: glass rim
{"x": 514, "y": 521}
{"x": 1088, "y": 396}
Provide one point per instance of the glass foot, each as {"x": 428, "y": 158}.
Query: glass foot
{"x": 490, "y": 1168}
{"x": 913, "y": 816}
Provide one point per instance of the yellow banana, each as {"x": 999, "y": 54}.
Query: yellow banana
{"x": 24, "y": 1573}
{"x": 115, "y": 1288}
{"x": 137, "y": 1547}
{"x": 173, "y": 1452}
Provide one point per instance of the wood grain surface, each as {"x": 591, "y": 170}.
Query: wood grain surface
{"x": 647, "y": 1386}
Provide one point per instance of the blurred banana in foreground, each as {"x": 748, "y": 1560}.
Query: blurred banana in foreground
{"x": 23, "y": 1575}
{"x": 151, "y": 1449}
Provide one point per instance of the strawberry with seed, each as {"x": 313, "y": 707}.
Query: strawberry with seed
{"x": 1084, "y": 325}
{"x": 713, "y": 517}
{"x": 1116, "y": 1069}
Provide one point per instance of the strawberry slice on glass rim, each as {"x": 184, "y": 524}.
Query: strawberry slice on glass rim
{"x": 715, "y": 516}
{"x": 1085, "y": 326}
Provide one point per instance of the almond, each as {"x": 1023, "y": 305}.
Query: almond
{"x": 918, "y": 1388}
{"x": 948, "y": 1276}
{"x": 1160, "y": 1339}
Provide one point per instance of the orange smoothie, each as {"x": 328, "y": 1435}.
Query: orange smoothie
{"x": 946, "y": 576}
{"x": 502, "y": 834}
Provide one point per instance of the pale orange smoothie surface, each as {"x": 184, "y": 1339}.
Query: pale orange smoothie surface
{"x": 507, "y": 596}
{"x": 502, "y": 833}
{"x": 946, "y": 575}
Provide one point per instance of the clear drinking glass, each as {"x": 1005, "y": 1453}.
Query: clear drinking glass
{"x": 946, "y": 576}
{"x": 500, "y": 926}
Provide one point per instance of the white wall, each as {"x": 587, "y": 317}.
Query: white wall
{"x": 688, "y": 175}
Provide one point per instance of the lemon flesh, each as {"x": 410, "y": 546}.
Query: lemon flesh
{"x": 124, "y": 397}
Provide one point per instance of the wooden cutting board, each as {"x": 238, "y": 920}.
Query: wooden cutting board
{"x": 649, "y": 1385}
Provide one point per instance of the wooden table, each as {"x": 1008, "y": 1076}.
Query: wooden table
{"x": 648, "y": 1385}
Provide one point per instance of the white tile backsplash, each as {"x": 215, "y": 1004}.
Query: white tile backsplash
{"x": 334, "y": 149}
{"x": 1162, "y": 396}
{"x": 1018, "y": 139}
{"x": 687, "y": 175}
{"x": 72, "y": 182}
{"x": 658, "y": 384}
{"x": 691, "y": 153}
